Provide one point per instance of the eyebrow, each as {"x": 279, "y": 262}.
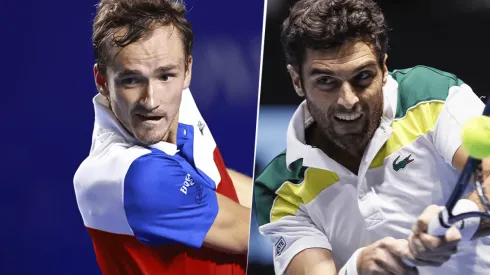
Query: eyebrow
{"x": 167, "y": 68}
{"x": 159, "y": 70}
{"x": 317, "y": 71}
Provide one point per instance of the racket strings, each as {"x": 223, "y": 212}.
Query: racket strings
{"x": 480, "y": 188}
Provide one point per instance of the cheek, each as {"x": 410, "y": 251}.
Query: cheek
{"x": 320, "y": 106}
{"x": 322, "y": 100}
{"x": 169, "y": 97}
{"x": 374, "y": 93}
{"x": 373, "y": 97}
{"x": 120, "y": 100}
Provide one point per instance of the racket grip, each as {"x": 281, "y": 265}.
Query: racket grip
{"x": 438, "y": 226}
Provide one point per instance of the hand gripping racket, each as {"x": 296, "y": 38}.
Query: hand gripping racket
{"x": 472, "y": 173}
{"x": 456, "y": 211}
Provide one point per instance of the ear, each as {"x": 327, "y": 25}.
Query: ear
{"x": 100, "y": 82}
{"x": 188, "y": 73}
{"x": 385, "y": 70}
{"x": 296, "y": 79}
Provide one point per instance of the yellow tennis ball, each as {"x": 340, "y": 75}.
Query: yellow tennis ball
{"x": 476, "y": 137}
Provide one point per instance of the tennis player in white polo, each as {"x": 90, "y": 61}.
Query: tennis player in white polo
{"x": 367, "y": 152}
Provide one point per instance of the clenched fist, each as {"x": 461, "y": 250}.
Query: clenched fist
{"x": 432, "y": 250}
{"x": 385, "y": 257}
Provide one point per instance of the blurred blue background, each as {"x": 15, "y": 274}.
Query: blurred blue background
{"x": 47, "y": 114}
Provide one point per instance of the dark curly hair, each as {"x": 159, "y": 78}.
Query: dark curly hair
{"x": 325, "y": 24}
{"x": 137, "y": 17}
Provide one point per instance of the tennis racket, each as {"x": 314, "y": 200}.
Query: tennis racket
{"x": 454, "y": 214}
{"x": 471, "y": 174}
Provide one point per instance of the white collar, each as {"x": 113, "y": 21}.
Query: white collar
{"x": 105, "y": 121}
{"x": 314, "y": 157}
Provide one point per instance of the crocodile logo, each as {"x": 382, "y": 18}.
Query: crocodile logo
{"x": 397, "y": 165}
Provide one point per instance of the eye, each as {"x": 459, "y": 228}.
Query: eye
{"x": 365, "y": 75}
{"x": 364, "y": 78}
{"x": 166, "y": 77}
{"x": 325, "y": 81}
{"x": 130, "y": 81}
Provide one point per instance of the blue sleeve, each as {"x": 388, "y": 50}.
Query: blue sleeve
{"x": 167, "y": 203}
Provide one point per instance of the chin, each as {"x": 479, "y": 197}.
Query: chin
{"x": 150, "y": 137}
{"x": 352, "y": 141}
{"x": 348, "y": 141}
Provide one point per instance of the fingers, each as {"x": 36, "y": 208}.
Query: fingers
{"x": 396, "y": 251}
{"x": 453, "y": 235}
{"x": 433, "y": 251}
{"x": 431, "y": 244}
{"x": 390, "y": 263}
{"x": 383, "y": 257}
{"x": 422, "y": 223}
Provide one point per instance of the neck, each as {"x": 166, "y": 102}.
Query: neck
{"x": 172, "y": 132}
{"x": 349, "y": 158}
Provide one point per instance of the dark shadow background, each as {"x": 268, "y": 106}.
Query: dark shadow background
{"x": 450, "y": 35}
{"x": 47, "y": 117}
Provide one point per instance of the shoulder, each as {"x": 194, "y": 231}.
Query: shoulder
{"x": 108, "y": 165}
{"x": 277, "y": 171}
{"x": 147, "y": 173}
{"x": 276, "y": 174}
{"x": 422, "y": 84}
{"x": 99, "y": 183}
{"x": 155, "y": 162}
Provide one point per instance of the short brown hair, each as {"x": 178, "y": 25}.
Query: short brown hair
{"x": 138, "y": 17}
{"x": 325, "y": 24}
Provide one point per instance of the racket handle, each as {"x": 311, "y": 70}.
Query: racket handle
{"x": 435, "y": 229}
{"x": 466, "y": 227}
{"x": 438, "y": 226}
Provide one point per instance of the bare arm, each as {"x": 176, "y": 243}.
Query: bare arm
{"x": 381, "y": 257}
{"x": 229, "y": 232}
{"x": 243, "y": 186}
{"x": 312, "y": 261}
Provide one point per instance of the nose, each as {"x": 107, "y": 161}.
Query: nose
{"x": 347, "y": 97}
{"x": 148, "y": 99}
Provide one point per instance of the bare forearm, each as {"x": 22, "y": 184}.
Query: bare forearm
{"x": 313, "y": 261}
{"x": 243, "y": 187}
{"x": 229, "y": 232}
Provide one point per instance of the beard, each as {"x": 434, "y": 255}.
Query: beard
{"x": 354, "y": 141}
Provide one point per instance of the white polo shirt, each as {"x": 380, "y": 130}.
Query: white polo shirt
{"x": 306, "y": 199}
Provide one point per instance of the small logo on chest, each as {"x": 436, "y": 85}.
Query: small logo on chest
{"x": 397, "y": 165}
{"x": 188, "y": 182}
{"x": 201, "y": 127}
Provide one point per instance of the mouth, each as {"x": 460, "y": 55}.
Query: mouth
{"x": 348, "y": 118}
{"x": 149, "y": 117}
